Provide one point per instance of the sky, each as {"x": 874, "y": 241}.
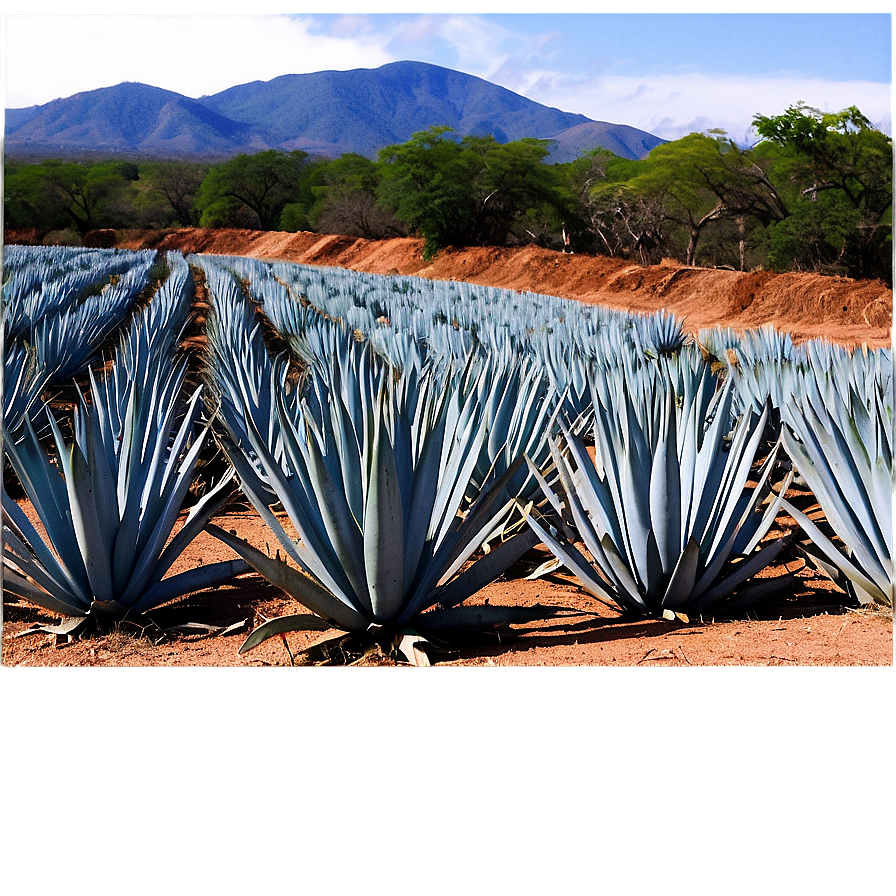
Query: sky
{"x": 668, "y": 74}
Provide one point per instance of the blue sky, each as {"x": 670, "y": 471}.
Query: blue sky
{"x": 668, "y": 74}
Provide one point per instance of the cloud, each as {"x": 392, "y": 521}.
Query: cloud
{"x": 478, "y": 46}
{"x": 673, "y": 105}
{"x": 59, "y": 55}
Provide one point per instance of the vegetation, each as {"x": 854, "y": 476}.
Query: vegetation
{"x": 420, "y": 437}
{"x": 814, "y": 194}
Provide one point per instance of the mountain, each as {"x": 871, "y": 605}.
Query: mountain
{"x": 131, "y": 119}
{"x": 625, "y": 141}
{"x": 329, "y": 113}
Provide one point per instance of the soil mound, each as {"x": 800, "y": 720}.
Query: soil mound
{"x": 805, "y": 305}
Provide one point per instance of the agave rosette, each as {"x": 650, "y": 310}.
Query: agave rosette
{"x": 110, "y": 501}
{"x": 375, "y": 481}
{"x": 663, "y": 508}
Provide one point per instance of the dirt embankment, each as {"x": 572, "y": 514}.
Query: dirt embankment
{"x": 805, "y": 305}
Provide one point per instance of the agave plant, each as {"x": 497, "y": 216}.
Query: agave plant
{"x": 373, "y": 477}
{"x": 24, "y": 379}
{"x": 110, "y": 501}
{"x": 664, "y": 507}
{"x": 844, "y": 451}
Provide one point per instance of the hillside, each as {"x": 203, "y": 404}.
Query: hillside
{"x": 805, "y": 305}
{"x": 330, "y": 113}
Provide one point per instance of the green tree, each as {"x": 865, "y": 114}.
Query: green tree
{"x": 262, "y": 184}
{"x": 621, "y": 222}
{"x": 836, "y": 172}
{"x": 297, "y": 213}
{"x": 56, "y": 193}
{"x": 512, "y": 186}
{"x": 424, "y": 182}
{"x": 467, "y": 192}
{"x": 702, "y": 179}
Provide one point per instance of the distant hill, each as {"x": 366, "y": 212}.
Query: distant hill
{"x": 327, "y": 113}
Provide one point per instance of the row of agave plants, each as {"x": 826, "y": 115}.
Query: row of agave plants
{"x": 421, "y": 437}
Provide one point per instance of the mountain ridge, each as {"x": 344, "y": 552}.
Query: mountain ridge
{"x": 330, "y": 113}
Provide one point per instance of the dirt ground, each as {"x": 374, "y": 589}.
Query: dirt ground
{"x": 808, "y": 622}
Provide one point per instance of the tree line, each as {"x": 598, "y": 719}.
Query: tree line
{"x": 815, "y": 193}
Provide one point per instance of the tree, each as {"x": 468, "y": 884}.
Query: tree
{"x": 510, "y": 184}
{"x": 837, "y": 173}
{"x": 345, "y": 200}
{"x": 262, "y": 184}
{"x": 424, "y": 182}
{"x": 178, "y": 184}
{"x": 56, "y": 193}
{"x": 702, "y": 179}
{"x": 467, "y": 192}
{"x": 622, "y": 223}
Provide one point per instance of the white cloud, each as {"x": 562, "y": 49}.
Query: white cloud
{"x": 482, "y": 47}
{"x": 59, "y": 55}
{"x": 676, "y": 104}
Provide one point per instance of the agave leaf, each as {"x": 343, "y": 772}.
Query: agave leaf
{"x": 882, "y": 592}
{"x": 20, "y": 561}
{"x": 828, "y": 465}
{"x": 343, "y": 528}
{"x": 464, "y": 540}
{"x": 301, "y": 622}
{"x": 47, "y": 492}
{"x": 190, "y": 580}
{"x": 316, "y": 554}
{"x": 52, "y": 600}
{"x": 665, "y": 496}
{"x": 200, "y": 513}
{"x": 575, "y": 562}
{"x": 545, "y": 569}
{"x": 603, "y": 503}
{"x": 92, "y": 505}
{"x": 547, "y": 491}
{"x": 67, "y": 628}
{"x": 708, "y": 470}
{"x": 681, "y": 583}
{"x": 842, "y": 512}
{"x": 770, "y": 514}
{"x": 418, "y": 513}
{"x": 410, "y": 646}
{"x": 634, "y": 483}
{"x": 146, "y": 563}
{"x": 384, "y": 530}
{"x": 736, "y": 471}
{"x": 747, "y": 568}
{"x": 58, "y": 577}
{"x": 487, "y": 568}
{"x": 296, "y": 584}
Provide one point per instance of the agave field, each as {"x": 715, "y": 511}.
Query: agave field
{"x": 405, "y": 442}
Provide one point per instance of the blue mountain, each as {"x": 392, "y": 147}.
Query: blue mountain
{"x": 329, "y": 113}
